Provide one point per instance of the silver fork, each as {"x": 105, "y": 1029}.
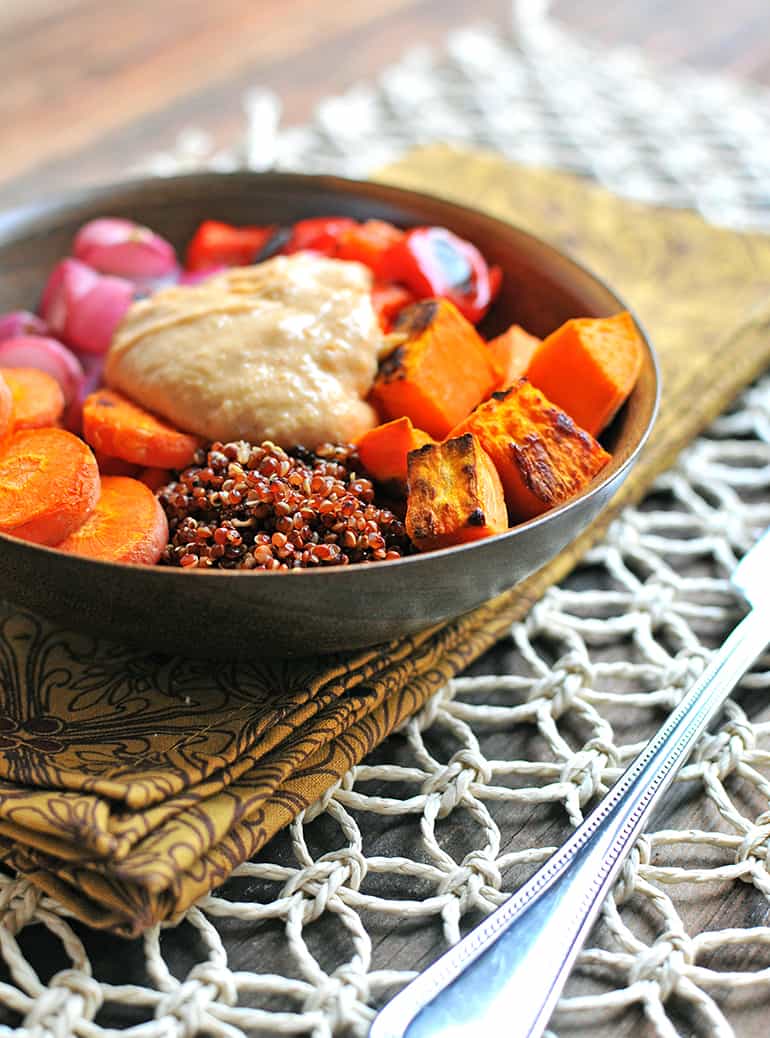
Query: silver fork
{"x": 503, "y": 979}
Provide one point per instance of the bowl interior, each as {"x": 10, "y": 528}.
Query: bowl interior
{"x": 541, "y": 289}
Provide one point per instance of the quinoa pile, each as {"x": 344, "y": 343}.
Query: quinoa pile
{"x": 244, "y": 506}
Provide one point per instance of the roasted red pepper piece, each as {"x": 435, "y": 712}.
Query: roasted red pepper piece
{"x": 434, "y": 263}
{"x": 388, "y": 300}
{"x": 495, "y": 281}
{"x": 319, "y": 234}
{"x": 217, "y": 244}
{"x": 369, "y": 243}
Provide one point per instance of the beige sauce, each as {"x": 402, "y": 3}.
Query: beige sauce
{"x": 283, "y": 351}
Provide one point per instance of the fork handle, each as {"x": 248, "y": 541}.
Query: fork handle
{"x": 503, "y": 979}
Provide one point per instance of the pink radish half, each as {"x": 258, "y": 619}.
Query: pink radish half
{"x": 37, "y": 351}
{"x": 115, "y": 246}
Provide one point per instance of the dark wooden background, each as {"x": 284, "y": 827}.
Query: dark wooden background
{"x": 91, "y": 86}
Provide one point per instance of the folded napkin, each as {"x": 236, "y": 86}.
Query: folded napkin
{"x": 131, "y": 784}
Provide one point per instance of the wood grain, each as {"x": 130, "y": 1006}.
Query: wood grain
{"x": 90, "y": 88}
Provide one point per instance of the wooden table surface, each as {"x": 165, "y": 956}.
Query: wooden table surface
{"x": 89, "y": 88}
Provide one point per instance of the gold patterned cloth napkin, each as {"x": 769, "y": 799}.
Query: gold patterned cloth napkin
{"x": 131, "y": 784}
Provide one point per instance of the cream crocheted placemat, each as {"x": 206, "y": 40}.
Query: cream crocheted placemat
{"x": 427, "y": 835}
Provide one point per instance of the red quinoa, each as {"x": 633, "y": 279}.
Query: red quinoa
{"x": 244, "y": 506}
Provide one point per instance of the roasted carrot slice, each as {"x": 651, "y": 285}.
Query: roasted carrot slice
{"x": 127, "y": 525}
{"x": 6, "y": 407}
{"x": 455, "y": 494}
{"x": 117, "y": 426}
{"x": 383, "y": 450}
{"x": 511, "y": 352}
{"x": 440, "y": 371}
{"x": 542, "y": 457}
{"x": 588, "y": 367}
{"x": 38, "y": 400}
{"x": 49, "y": 484}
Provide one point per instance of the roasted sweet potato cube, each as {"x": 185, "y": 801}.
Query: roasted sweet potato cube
{"x": 440, "y": 371}
{"x": 588, "y": 367}
{"x": 511, "y": 352}
{"x": 543, "y": 458}
{"x": 455, "y": 494}
{"x": 384, "y": 449}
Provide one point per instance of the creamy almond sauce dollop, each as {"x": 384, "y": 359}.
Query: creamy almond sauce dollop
{"x": 283, "y": 351}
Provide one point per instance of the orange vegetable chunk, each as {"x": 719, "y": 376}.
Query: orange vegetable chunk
{"x": 541, "y": 456}
{"x": 115, "y": 425}
{"x": 38, "y": 400}
{"x": 440, "y": 371}
{"x": 588, "y": 367}
{"x": 383, "y": 450}
{"x": 49, "y": 484}
{"x": 127, "y": 525}
{"x": 6, "y": 407}
{"x": 512, "y": 351}
{"x": 455, "y": 494}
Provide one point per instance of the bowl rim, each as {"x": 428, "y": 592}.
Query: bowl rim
{"x": 33, "y": 217}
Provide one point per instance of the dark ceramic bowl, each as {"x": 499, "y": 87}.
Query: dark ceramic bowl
{"x": 229, "y": 615}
